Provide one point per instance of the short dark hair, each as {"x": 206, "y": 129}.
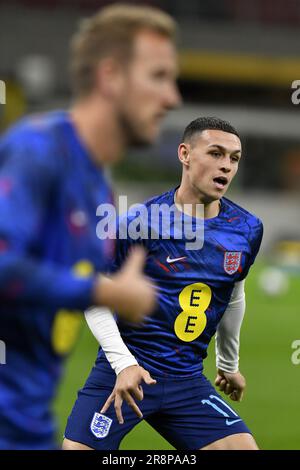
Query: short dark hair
{"x": 204, "y": 123}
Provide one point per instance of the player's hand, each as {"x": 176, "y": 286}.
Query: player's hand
{"x": 129, "y": 292}
{"x": 232, "y": 384}
{"x": 128, "y": 387}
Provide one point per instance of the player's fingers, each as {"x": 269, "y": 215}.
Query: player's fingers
{"x": 222, "y": 384}
{"x": 218, "y": 380}
{"x": 108, "y": 403}
{"x": 233, "y": 396}
{"x": 138, "y": 392}
{"x": 130, "y": 401}
{"x": 136, "y": 260}
{"x": 118, "y": 408}
{"x": 237, "y": 395}
{"x": 141, "y": 392}
{"x": 147, "y": 378}
{"x": 228, "y": 389}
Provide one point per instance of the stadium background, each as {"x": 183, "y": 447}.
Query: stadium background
{"x": 238, "y": 61}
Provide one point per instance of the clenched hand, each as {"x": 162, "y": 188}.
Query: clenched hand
{"x": 232, "y": 384}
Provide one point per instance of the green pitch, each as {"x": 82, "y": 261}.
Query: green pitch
{"x": 271, "y": 404}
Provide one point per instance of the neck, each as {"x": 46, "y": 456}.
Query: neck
{"x": 188, "y": 195}
{"x": 97, "y": 127}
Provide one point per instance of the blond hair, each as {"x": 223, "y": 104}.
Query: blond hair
{"x": 111, "y": 32}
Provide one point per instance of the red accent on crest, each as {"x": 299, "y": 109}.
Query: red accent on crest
{"x": 232, "y": 261}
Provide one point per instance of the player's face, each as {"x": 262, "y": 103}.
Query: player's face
{"x": 150, "y": 88}
{"x": 213, "y": 160}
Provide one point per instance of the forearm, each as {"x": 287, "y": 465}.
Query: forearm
{"x": 228, "y": 332}
{"x": 25, "y": 280}
{"x": 103, "y": 326}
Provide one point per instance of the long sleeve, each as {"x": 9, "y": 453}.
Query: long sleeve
{"x": 228, "y": 331}
{"x": 103, "y": 326}
{"x": 29, "y": 175}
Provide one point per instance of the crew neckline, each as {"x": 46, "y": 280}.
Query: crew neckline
{"x": 173, "y": 192}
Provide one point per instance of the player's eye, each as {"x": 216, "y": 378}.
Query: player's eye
{"x": 160, "y": 75}
{"x": 235, "y": 158}
{"x": 215, "y": 154}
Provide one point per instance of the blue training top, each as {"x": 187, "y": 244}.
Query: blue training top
{"x": 194, "y": 285}
{"x": 49, "y": 192}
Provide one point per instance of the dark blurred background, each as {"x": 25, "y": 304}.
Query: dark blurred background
{"x": 238, "y": 61}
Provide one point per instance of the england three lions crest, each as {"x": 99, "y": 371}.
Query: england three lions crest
{"x": 100, "y": 425}
{"x": 232, "y": 261}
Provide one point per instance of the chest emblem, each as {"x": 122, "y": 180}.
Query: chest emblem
{"x": 232, "y": 261}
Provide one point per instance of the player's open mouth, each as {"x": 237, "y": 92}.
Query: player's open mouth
{"x": 220, "y": 182}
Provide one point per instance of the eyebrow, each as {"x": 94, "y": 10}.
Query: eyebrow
{"x": 224, "y": 149}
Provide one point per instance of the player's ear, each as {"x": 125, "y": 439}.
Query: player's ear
{"x": 184, "y": 154}
{"x": 109, "y": 77}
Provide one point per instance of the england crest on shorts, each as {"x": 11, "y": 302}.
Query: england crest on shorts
{"x": 100, "y": 425}
{"x": 232, "y": 261}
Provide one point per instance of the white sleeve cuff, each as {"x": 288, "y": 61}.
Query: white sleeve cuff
{"x": 104, "y": 327}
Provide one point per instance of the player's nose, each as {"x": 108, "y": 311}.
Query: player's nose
{"x": 172, "y": 99}
{"x": 226, "y": 165}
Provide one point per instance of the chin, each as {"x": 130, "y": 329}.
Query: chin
{"x": 217, "y": 195}
{"x": 209, "y": 198}
{"x": 150, "y": 133}
{"x": 143, "y": 140}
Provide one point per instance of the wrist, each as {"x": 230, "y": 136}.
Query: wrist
{"x": 227, "y": 369}
{"x": 230, "y": 366}
{"x": 104, "y": 291}
{"x": 125, "y": 363}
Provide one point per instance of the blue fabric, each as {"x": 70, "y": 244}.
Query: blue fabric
{"x": 49, "y": 192}
{"x": 194, "y": 292}
{"x": 231, "y": 243}
{"x": 189, "y": 414}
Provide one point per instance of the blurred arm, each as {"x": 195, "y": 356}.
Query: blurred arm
{"x": 28, "y": 181}
{"x": 228, "y": 331}
{"x": 31, "y": 175}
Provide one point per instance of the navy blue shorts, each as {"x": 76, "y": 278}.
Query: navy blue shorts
{"x": 187, "y": 412}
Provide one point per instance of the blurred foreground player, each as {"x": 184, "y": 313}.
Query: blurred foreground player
{"x": 51, "y": 182}
{"x": 201, "y": 291}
